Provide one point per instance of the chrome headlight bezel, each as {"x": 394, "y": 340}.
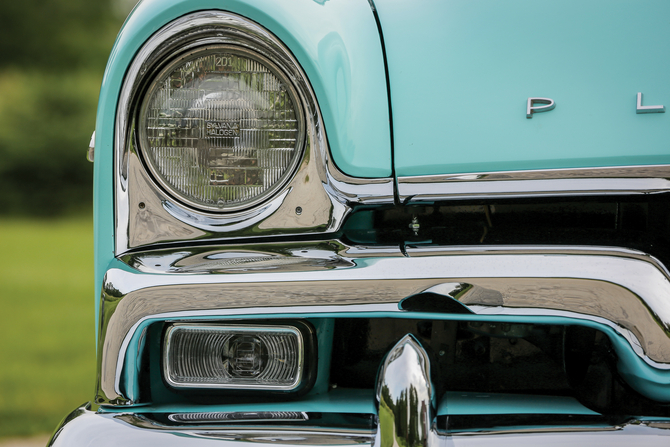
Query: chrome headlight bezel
{"x": 247, "y": 48}
{"x": 314, "y": 200}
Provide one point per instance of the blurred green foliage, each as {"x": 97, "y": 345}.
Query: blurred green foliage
{"x": 56, "y": 34}
{"x": 52, "y": 57}
{"x": 47, "y": 351}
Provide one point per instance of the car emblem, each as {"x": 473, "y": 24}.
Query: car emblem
{"x": 548, "y": 104}
{"x": 647, "y": 109}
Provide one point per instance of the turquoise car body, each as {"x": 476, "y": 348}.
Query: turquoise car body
{"x": 432, "y": 94}
{"x": 342, "y": 46}
{"x": 481, "y": 60}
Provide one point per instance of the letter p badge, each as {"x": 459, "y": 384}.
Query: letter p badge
{"x": 548, "y": 104}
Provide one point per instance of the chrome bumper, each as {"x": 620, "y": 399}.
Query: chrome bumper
{"x": 84, "y": 427}
{"x": 405, "y": 413}
{"x": 622, "y": 292}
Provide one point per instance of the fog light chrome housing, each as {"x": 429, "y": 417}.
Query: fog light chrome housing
{"x": 236, "y": 357}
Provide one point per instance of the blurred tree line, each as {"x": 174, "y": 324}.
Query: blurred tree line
{"x": 52, "y": 58}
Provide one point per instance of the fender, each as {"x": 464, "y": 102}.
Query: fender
{"x": 330, "y": 40}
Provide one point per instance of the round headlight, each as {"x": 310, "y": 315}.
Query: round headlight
{"x": 221, "y": 128}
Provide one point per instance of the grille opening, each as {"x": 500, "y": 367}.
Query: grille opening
{"x": 484, "y": 357}
{"x": 637, "y": 222}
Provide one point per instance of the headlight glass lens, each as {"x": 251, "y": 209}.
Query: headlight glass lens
{"x": 221, "y": 128}
{"x": 247, "y": 357}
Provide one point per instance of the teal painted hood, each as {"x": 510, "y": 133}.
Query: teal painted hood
{"x": 461, "y": 73}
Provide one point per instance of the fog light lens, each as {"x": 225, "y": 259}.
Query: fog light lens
{"x": 229, "y": 357}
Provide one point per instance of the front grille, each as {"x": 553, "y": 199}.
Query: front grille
{"x": 485, "y": 357}
{"x": 637, "y": 222}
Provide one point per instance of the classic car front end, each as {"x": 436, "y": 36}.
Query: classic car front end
{"x": 376, "y": 223}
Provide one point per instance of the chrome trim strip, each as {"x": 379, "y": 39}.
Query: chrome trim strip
{"x": 249, "y": 258}
{"x": 534, "y": 183}
{"x": 280, "y": 430}
{"x": 648, "y": 434}
{"x": 456, "y": 250}
{"x": 145, "y": 214}
{"x": 624, "y": 290}
{"x": 235, "y": 417}
{"x": 90, "y": 153}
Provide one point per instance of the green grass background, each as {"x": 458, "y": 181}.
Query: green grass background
{"x": 47, "y": 350}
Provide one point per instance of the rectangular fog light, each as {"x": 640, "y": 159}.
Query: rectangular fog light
{"x": 234, "y": 357}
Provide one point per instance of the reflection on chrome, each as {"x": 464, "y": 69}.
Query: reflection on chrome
{"x": 607, "y": 304}
{"x": 533, "y": 183}
{"x": 286, "y": 256}
{"x": 145, "y": 214}
{"x": 86, "y": 427}
{"x": 624, "y": 291}
{"x": 405, "y": 396}
{"x": 632, "y": 433}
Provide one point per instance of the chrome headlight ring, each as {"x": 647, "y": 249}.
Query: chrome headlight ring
{"x": 219, "y": 119}
{"x": 312, "y": 196}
